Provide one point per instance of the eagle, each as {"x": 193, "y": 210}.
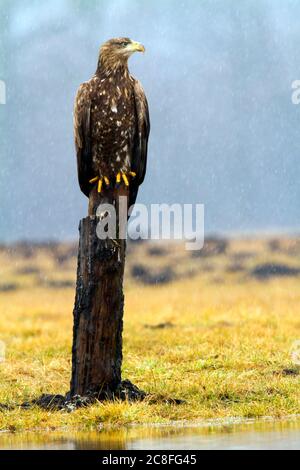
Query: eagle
{"x": 111, "y": 123}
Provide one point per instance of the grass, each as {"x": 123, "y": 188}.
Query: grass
{"x": 225, "y": 349}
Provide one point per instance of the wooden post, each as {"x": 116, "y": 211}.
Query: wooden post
{"x": 99, "y": 303}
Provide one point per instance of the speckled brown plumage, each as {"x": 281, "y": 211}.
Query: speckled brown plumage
{"x": 111, "y": 120}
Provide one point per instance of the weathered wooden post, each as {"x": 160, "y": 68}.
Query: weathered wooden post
{"x": 99, "y": 303}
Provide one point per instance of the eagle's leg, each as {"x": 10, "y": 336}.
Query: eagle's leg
{"x": 125, "y": 177}
{"x": 122, "y": 176}
{"x": 99, "y": 180}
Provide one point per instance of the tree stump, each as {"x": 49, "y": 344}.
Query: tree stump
{"x": 99, "y": 304}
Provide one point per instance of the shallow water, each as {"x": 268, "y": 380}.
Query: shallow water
{"x": 228, "y": 434}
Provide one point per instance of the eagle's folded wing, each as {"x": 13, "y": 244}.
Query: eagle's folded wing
{"x": 139, "y": 158}
{"x": 82, "y": 112}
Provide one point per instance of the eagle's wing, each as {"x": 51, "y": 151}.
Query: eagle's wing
{"x": 139, "y": 157}
{"x": 82, "y": 113}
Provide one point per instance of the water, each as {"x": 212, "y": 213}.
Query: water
{"x": 228, "y": 434}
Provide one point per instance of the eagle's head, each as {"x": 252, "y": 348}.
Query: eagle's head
{"x": 116, "y": 52}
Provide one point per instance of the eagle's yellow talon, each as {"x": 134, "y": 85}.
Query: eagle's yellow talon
{"x": 120, "y": 176}
{"x": 125, "y": 179}
{"x": 100, "y": 185}
{"x": 93, "y": 180}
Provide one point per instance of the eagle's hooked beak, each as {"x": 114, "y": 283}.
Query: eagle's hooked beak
{"x": 136, "y": 47}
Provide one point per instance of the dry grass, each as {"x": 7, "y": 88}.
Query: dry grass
{"x": 225, "y": 348}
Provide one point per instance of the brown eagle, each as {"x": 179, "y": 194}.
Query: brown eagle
{"x": 111, "y": 123}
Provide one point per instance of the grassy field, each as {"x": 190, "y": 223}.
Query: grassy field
{"x": 214, "y": 329}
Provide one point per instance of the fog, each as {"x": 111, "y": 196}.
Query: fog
{"x": 218, "y": 75}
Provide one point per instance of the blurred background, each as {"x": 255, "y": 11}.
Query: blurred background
{"x": 218, "y": 76}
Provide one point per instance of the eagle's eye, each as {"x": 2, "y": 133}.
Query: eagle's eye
{"x": 124, "y": 44}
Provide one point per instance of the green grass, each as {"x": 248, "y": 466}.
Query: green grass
{"x": 225, "y": 354}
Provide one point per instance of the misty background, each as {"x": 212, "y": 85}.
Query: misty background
{"x": 218, "y": 76}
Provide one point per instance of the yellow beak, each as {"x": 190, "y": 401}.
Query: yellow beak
{"x": 136, "y": 47}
